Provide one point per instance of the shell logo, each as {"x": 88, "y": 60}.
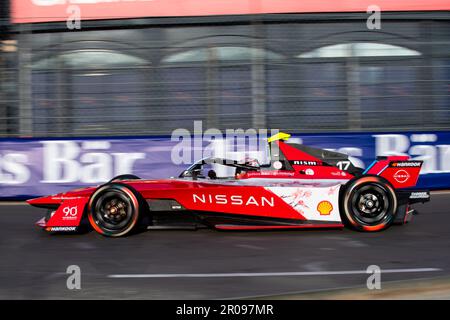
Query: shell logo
{"x": 324, "y": 208}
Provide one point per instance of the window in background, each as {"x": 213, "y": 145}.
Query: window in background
{"x": 441, "y": 93}
{"x": 359, "y": 49}
{"x": 90, "y": 92}
{"x": 215, "y": 83}
{"x": 381, "y": 83}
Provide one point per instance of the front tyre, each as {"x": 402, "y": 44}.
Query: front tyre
{"x": 114, "y": 210}
{"x": 369, "y": 204}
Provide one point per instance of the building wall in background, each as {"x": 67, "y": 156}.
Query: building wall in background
{"x": 300, "y": 76}
{"x": 8, "y": 72}
{"x": 29, "y": 11}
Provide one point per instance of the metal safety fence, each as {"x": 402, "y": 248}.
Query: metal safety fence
{"x": 316, "y": 76}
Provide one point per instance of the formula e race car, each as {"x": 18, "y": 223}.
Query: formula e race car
{"x": 300, "y": 187}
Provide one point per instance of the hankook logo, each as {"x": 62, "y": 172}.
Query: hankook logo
{"x": 236, "y": 200}
{"x": 63, "y": 229}
{"x": 406, "y": 164}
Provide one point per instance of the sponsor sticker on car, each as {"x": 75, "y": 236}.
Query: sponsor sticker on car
{"x": 406, "y": 164}
{"x": 68, "y": 214}
{"x": 324, "y": 208}
{"x": 401, "y": 176}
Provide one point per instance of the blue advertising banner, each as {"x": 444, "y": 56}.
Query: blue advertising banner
{"x": 36, "y": 167}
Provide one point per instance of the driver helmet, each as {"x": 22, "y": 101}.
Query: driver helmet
{"x": 251, "y": 162}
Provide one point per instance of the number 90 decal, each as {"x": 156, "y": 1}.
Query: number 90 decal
{"x": 70, "y": 211}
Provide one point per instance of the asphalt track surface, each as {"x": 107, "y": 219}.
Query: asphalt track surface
{"x": 209, "y": 264}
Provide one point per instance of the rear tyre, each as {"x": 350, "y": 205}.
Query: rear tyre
{"x": 369, "y": 204}
{"x": 114, "y": 210}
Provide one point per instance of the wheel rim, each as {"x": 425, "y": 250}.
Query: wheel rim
{"x": 370, "y": 204}
{"x": 113, "y": 210}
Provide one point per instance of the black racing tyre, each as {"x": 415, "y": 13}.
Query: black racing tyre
{"x": 124, "y": 177}
{"x": 368, "y": 203}
{"x": 114, "y": 210}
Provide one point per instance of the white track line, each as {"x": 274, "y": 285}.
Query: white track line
{"x": 13, "y": 203}
{"x": 439, "y": 192}
{"x": 266, "y": 274}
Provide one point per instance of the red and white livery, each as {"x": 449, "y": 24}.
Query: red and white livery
{"x": 301, "y": 187}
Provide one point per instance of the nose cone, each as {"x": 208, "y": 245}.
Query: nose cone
{"x": 45, "y": 201}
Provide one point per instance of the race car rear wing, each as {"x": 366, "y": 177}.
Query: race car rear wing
{"x": 398, "y": 170}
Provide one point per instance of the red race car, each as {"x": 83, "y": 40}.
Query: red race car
{"x": 301, "y": 187}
